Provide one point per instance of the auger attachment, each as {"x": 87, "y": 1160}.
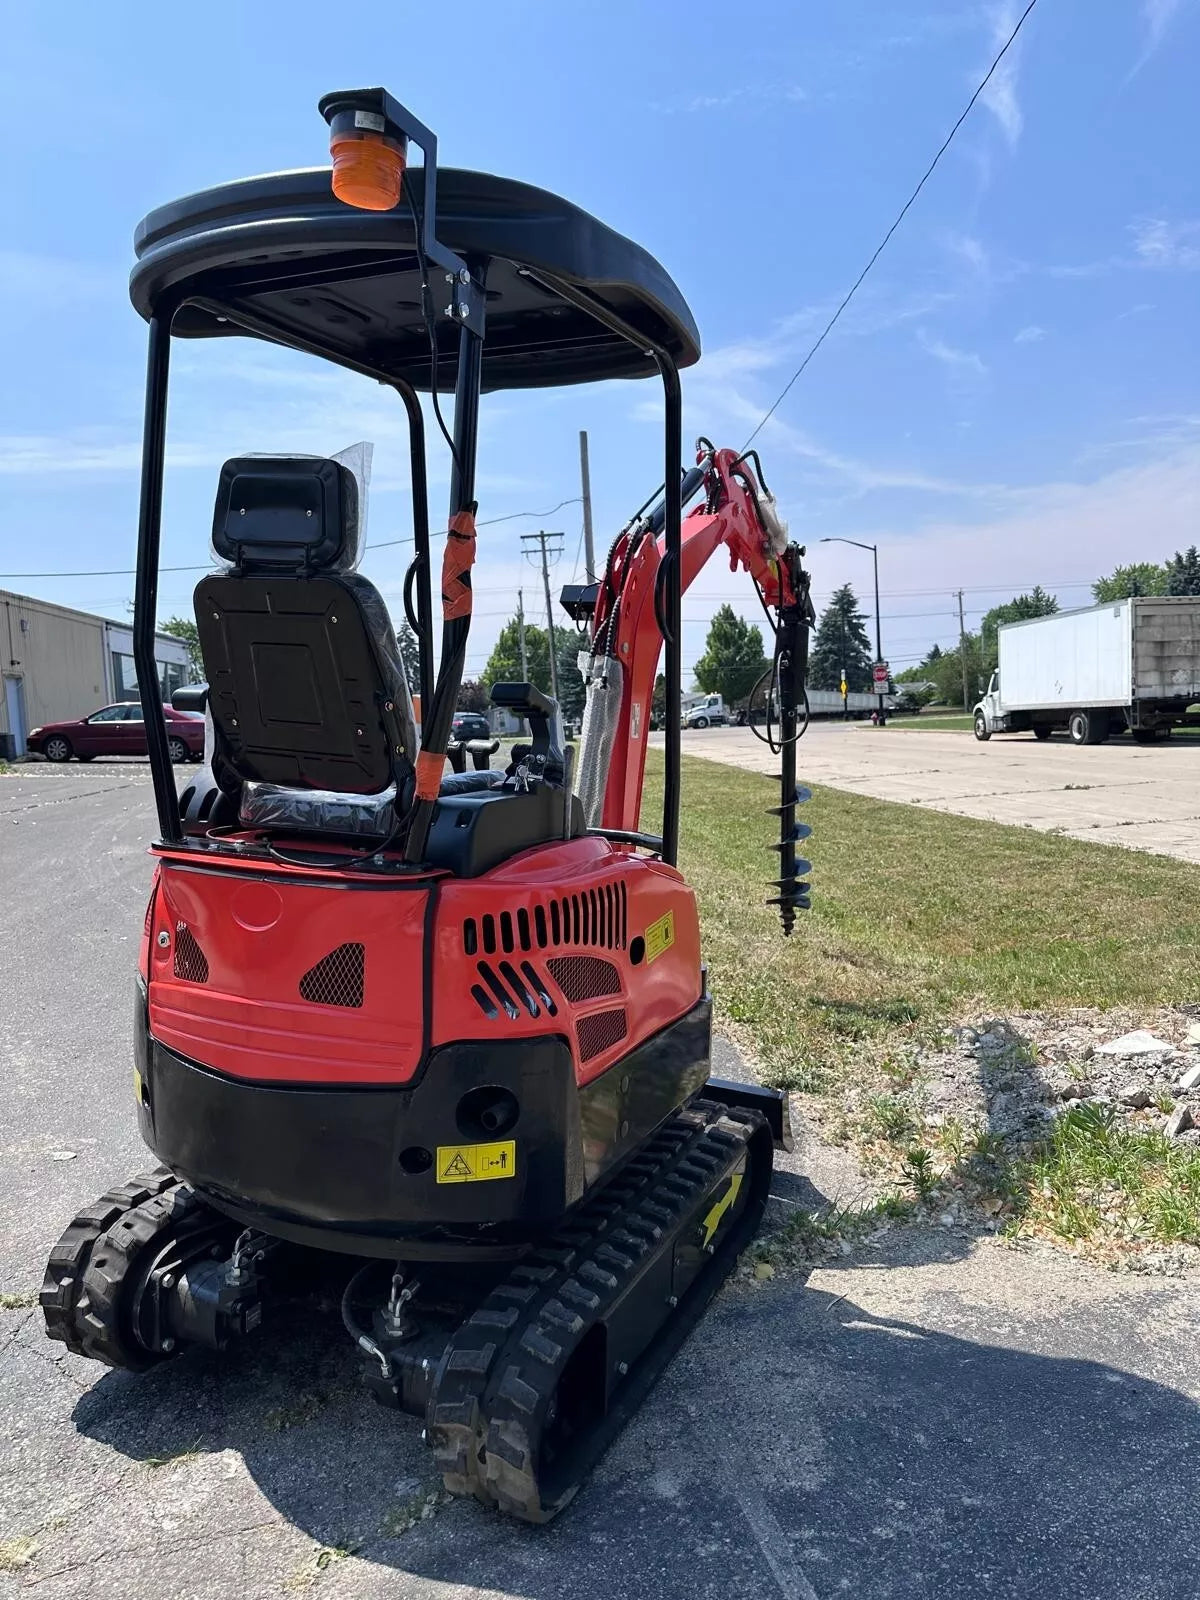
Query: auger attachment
{"x": 794, "y": 889}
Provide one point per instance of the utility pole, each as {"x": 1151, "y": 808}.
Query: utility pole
{"x": 962, "y": 651}
{"x": 881, "y": 714}
{"x": 521, "y": 635}
{"x": 589, "y": 554}
{"x": 541, "y": 536}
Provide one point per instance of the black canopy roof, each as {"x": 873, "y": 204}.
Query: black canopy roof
{"x": 302, "y": 267}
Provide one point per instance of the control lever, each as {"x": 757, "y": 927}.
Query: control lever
{"x": 545, "y": 723}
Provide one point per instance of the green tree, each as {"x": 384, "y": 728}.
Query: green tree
{"x": 472, "y": 696}
{"x": 1140, "y": 577}
{"x": 571, "y": 694}
{"x": 658, "y": 701}
{"x": 1183, "y": 572}
{"x": 947, "y": 672}
{"x": 733, "y": 659}
{"x": 185, "y": 630}
{"x": 1019, "y": 609}
{"x": 841, "y": 643}
{"x": 410, "y": 654}
{"x": 504, "y": 663}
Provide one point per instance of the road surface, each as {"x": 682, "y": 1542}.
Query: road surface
{"x": 934, "y": 1417}
{"x": 1145, "y": 797}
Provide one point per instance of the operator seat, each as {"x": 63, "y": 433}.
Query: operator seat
{"x": 307, "y": 690}
{"x": 312, "y": 726}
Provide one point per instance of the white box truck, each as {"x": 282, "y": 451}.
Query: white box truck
{"x": 1133, "y": 664}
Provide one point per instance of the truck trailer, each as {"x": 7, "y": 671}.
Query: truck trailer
{"x": 1130, "y": 664}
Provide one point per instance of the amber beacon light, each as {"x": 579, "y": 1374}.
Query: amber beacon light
{"x": 369, "y": 151}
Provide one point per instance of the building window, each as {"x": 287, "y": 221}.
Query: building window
{"x": 125, "y": 685}
{"x": 172, "y": 675}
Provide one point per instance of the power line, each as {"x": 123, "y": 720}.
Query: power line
{"x": 386, "y": 544}
{"x": 879, "y": 249}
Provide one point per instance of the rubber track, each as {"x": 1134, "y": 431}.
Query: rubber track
{"x": 63, "y": 1283}
{"x": 101, "y": 1314}
{"x": 498, "y": 1377}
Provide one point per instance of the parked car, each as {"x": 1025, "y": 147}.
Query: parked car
{"x": 118, "y": 731}
{"x": 470, "y": 725}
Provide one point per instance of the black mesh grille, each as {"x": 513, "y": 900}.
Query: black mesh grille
{"x": 337, "y": 979}
{"x": 191, "y": 964}
{"x": 584, "y": 977}
{"x": 600, "y": 1032}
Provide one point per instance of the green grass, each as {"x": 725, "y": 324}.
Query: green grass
{"x": 918, "y": 918}
{"x": 1109, "y": 1187}
{"x": 20, "y": 1301}
{"x": 921, "y": 919}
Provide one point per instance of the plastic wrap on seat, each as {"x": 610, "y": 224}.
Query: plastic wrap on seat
{"x": 368, "y": 816}
{"x": 604, "y": 678}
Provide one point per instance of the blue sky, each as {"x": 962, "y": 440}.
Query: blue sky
{"x": 1014, "y": 396}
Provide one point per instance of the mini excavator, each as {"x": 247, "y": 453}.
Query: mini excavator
{"x": 446, "y": 1031}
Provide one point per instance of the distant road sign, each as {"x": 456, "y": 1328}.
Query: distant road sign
{"x": 881, "y": 677}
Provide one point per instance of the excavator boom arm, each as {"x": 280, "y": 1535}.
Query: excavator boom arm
{"x": 628, "y": 627}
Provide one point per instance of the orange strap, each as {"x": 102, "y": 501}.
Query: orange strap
{"x": 456, "y": 566}
{"x": 429, "y": 774}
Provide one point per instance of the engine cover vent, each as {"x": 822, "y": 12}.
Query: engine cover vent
{"x": 191, "y": 964}
{"x": 597, "y": 916}
{"x": 337, "y": 979}
{"x": 584, "y": 977}
{"x": 599, "y": 1032}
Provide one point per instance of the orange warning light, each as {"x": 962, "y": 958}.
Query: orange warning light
{"x": 368, "y": 168}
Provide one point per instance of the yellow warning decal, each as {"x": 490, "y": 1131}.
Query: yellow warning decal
{"x": 713, "y": 1219}
{"x": 476, "y": 1163}
{"x": 138, "y": 1087}
{"x": 660, "y": 936}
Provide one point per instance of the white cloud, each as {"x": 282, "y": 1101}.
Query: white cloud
{"x": 962, "y": 362}
{"x": 970, "y": 251}
{"x": 1000, "y": 96}
{"x": 1030, "y": 335}
{"x": 746, "y": 94}
{"x": 1162, "y": 244}
{"x": 1056, "y": 533}
{"x": 1156, "y": 19}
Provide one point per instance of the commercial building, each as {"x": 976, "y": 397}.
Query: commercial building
{"x": 57, "y": 664}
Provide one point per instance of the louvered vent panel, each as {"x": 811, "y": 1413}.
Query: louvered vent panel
{"x": 584, "y": 977}
{"x": 600, "y": 1032}
{"x": 337, "y": 979}
{"x": 595, "y": 917}
{"x": 191, "y": 964}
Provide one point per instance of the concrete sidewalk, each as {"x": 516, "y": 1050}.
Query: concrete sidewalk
{"x": 1143, "y": 797}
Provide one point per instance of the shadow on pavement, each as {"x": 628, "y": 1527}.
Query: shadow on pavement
{"x": 801, "y": 1444}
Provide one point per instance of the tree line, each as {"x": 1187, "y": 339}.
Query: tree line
{"x": 943, "y": 668}
{"x": 734, "y": 659}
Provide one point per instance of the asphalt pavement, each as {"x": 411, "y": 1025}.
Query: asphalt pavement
{"x": 934, "y": 1415}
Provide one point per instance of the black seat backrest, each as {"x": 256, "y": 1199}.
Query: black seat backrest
{"x": 306, "y": 685}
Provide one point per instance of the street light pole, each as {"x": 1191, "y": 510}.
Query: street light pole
{"x": 874, "y": 549}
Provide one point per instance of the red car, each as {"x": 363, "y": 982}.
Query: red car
{"x": 118, "y": 731}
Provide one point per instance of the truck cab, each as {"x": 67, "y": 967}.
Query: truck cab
{"x": 708, "y": 712}
{"x": 989, "y": 718}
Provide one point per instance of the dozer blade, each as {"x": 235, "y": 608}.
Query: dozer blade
{"x": 538, "y": 1381}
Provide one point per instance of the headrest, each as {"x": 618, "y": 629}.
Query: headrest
{"x": 280, "y": 513}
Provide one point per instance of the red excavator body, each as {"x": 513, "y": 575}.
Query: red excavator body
{"x": 453, "y": 1024}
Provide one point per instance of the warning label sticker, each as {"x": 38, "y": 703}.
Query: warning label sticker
{"x": 660, "y": 936}
{"x": 476, "y": 1163}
